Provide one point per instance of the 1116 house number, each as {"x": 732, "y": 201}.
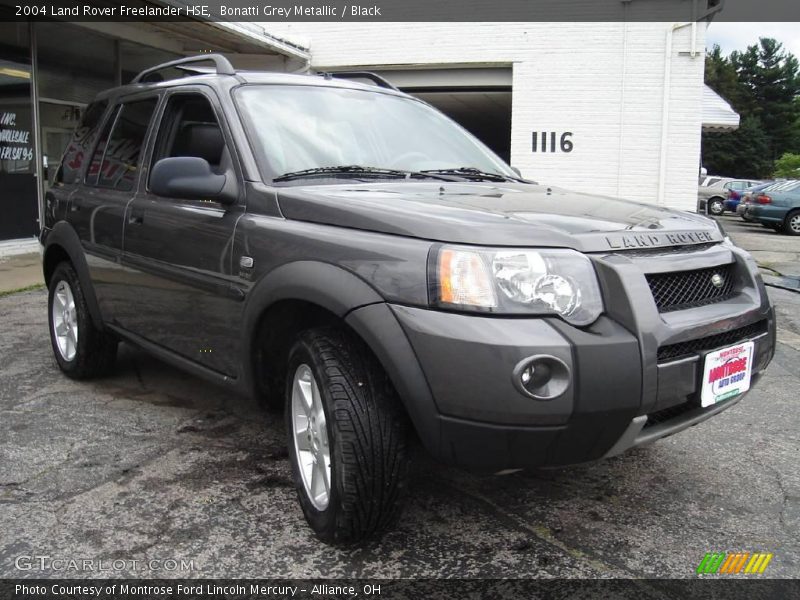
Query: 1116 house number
{"x": 550, "y": 141}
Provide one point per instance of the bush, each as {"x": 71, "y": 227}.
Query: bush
{"x": 788, "y": 166}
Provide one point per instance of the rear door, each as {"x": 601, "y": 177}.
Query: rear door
{"x": 97, "y": 208}
{"x": 177, "y": 252}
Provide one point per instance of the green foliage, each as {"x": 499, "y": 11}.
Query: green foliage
{"x": 740, "y": 153}
{"x": 788, "y": 166}
{"x": 762, "y": 84}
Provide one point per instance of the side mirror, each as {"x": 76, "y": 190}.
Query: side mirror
{"x": 517, "y": 171}
{"x": 191, "y": 178}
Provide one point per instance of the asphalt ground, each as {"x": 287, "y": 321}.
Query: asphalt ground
{"x": 151, "y": 464}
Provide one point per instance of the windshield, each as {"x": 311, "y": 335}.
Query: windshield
{"x": 300, "y": 127}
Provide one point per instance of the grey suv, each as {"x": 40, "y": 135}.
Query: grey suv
{"x": 347, "y": 253}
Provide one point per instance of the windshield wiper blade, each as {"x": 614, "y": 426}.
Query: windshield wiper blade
{"x": 472, "y": 173}
{"x": 341, "y": 170}
{"x": 359, "y": 170}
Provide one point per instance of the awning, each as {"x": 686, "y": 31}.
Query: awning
{"x": 717, "y": 113}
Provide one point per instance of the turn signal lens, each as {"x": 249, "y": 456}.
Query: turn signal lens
{"x": 464, "y": 279}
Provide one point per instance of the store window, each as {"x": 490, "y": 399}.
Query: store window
{"x": 18, "y": 208}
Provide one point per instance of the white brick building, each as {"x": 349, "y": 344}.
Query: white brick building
{"x": 630, "y": 94}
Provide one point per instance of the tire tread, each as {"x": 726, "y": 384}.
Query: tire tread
{"x": 370, "y": 427}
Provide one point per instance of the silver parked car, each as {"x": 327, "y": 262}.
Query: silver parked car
{"x": 712, "y": 192}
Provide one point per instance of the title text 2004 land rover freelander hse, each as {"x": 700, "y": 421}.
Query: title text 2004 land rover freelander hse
{"x": 346, "y": 251}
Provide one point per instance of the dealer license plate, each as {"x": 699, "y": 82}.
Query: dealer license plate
{"x": 726, "y": 373}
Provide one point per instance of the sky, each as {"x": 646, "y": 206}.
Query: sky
{"x": 737, "y": 36}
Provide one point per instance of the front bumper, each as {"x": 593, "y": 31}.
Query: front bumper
{"x": 635, "y": 373}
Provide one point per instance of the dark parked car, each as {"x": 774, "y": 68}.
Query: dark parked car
{"x": 777, "y": 207}
{"x": 747, "y": 197}
{"x": 347, "y": 253}
{"x": 734, "y": 196}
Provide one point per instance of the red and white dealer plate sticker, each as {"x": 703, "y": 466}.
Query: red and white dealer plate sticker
{"x": 726, "y": 373}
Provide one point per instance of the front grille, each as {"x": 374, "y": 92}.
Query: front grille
{"x": 688, "y": 289}
{"x": 668, "y": 414}
{"x": 728, "y": 338}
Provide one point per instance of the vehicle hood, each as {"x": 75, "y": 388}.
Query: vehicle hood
{"x": 512, "y": 214}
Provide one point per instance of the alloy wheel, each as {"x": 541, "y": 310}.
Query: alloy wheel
{"x": 794, "y": 223}
{"x": 311, "y": 437}
{"x": 65, "y": 321}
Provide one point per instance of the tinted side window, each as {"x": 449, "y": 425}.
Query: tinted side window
{"x": 122, "y": 150}
{"x": 97, "y": 156}
{"x": 81, "y": 143}
{"x": 190, "y": 128}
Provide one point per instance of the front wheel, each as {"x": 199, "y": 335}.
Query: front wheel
{"x": 346, "y": 437}
{"x": 81, "y": 349}
{"x": 791, "y": 225}
{"x": 716, "y": 206}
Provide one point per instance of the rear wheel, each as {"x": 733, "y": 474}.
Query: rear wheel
{"x": 791, "y": 224}
{"x": 346, "y": 437}
{"x": 715, "y": 206}
{"x": 81, "y": 349}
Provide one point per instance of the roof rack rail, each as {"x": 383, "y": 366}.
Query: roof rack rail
{"x": 222, "y": 64}
{"x": 373, "y": 77}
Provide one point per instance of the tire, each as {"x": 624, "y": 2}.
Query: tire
{"x": 791, "y": 224}
{"x": 715, "y": 206}
{"x": 361, "y": 423}
{"x": 82, "y": 351}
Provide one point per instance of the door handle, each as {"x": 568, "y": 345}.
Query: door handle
{"x": 136, "y": 217}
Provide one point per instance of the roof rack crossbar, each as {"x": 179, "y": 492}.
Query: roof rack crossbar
{"x": 222, "y": 64}
{"x": 373, "y": 77}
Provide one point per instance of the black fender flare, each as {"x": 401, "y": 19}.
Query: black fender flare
{"x": 363, "y": 309}
{"x": 330, "y": 287}
{"x": 64, "y": 236}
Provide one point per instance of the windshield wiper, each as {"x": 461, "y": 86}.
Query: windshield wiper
{"x": 357, "y": 170}
{"x": 472, "y": 173}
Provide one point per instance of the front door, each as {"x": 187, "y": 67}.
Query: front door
{"x": 177, "y": 253}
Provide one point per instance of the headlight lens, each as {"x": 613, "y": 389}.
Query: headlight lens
{"x": 510, "y": 281}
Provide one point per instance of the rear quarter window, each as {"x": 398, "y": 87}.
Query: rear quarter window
{"x": 80, "y": 146}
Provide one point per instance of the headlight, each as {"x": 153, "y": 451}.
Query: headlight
{"x": 510, "y": 281}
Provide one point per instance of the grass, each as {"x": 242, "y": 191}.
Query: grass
{"x": 30, "y": 288}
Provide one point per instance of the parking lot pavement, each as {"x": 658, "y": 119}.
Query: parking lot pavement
{"x": 775, "y": 252}
{"x": 152, "y": 464}
{"x": 20, "y": 271}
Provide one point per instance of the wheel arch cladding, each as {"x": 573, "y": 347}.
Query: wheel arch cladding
{"x": 62, "y": 244}
{"x": 328, "y": 291}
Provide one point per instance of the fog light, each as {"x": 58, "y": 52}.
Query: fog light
{"x": 542, "y": 377}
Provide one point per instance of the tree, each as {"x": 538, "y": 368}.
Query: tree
{"x": 771, "y": 79}
{"x": 762, "y": 84}
{"x": 721, "y": 77}
{"x": 788, "y": 166}
{"x": 740, "y": 153}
